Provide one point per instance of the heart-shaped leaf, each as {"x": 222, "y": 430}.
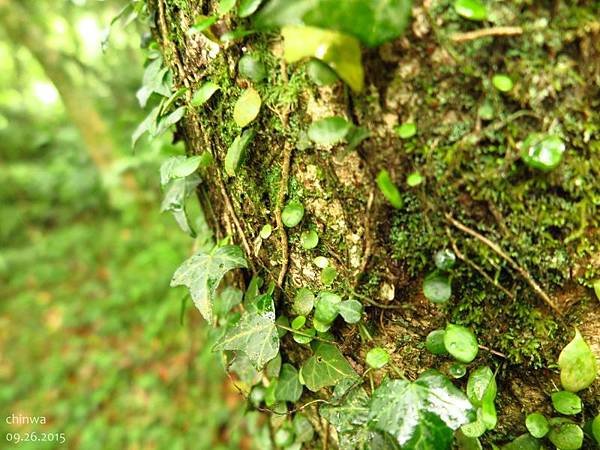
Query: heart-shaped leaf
{"x": 288, "y": 388}
{"x": 377, "y": 358}
{"x": 326, "y": 367}
{"x": 578, "y": 365}
{"x": 203, "y": 272}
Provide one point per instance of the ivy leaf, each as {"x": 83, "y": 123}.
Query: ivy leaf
{"x": 247, "y": 107}
{"x": 204, "y": 93}
{"x": 351, "y": 311}
{"x": 147, "y": 125}
{"x": 422, "y": 414}
{"x": 203, "y": 272}
{"x": 237, "y": 152}
{"x": 255, "y": 334}
{"x": 371, "y": 22}
{"x": 329, "y": 131}
{"x": 174, "y": 201}
{"x": 578, "y": 366}
{"x": 178, "y": 167}
{"x": 169, "y": 120}
{"x": 339, "y": 51}
{"x": 288, "y": 387}
{"x": 326, "y": 367}
{"x": 248, "y": 7}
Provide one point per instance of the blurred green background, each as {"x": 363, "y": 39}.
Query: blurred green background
{"x": 90, "y": 333}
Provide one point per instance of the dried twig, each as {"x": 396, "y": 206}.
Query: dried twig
{"x": 523, "y": 272}
{"x": 485, "y": 32}
{"x": 493, "y": 352}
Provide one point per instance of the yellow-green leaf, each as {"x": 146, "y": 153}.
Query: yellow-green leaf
{"x": 247, "y": 107}
{"x": 340, "y": 51}
{"x": 578, "y": 365}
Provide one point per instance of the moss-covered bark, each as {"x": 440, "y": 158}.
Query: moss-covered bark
{"x": 545, "y": 222}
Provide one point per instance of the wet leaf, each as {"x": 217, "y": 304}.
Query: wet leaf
{"x": 303, "y": 302}
{"x": 309, "y": 239}
{"x": 326, "y": 367}
{"x": 471, "y": 9}
{"x": 247, "y": 107}
{"x": 255, "y": 334}
{"x": 389, "y": 189}
{"x": 422, "y": 414}
{"x": 236, "y": 153}
{"x": 457, "y": 370}
{"x": 578, "y": 365}
{"x": 480, "y": 380}
{"x": 203, "y": 272}
{"x": 524, "y": 442}
{"x": 565, "y": 434}
{"x": 542, "y": 152}
{"x": 377, "y": 358}
{"x": 292, "y": 213}
{"x": 435, "y": 342}
{"x": 537, "y": 425}
{"x": 461, "y": 343}
{"x": 444, "y": 259}
{"x": 351, "y": 311}
{"x": 566, "y": 403}
{"x": 476, "y": 428}
{"x": 437, "y": 287}
{"x": 288, "y": 388}
{"x": 204, "y": 93}
{"x": 339, "y": 51}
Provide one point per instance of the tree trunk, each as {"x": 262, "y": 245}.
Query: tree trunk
{"x": 526, "y": 241}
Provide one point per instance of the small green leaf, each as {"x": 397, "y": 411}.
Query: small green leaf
{"x": 389, "y": 189}
{"x": 320, "y": 326}
{"x": 465, "y": 442}
{"x": 326, "y": 367}
{"x": 288, "y": 388}
{"x": 298, "y": 322}
{"x": 444, "y": 259}
{"x": 351, "y": 311}
{"x": 566, "y": 403}
{"x": 565, "y": 434}
{"x": 255, "y": 334}
{"x": 461, "y": 343}
{"x": 340, "y": 51}
{"x": 309, "y": 239}
{"x": 471, "y": 9}
{"x": 480, "y": 380}
{"x": 321, "y": 262}
{"x": 437, "y": 287}
{"x": 303, "y": 302}
{"x": 236, "y": 152}
{"x": 252, "y": 68}
{"x": 248, "y": 7}
{"x": 578, "y": 366}
{"x": 178, "y": 167}
{"x": 306, "y": 336}
{"x": 502, "y": 82}
{"x": 225, "y": 6}
{"x": 329, "y": 131}
{"x": 284, "y": 437}
{"x": 435, "y": 342}
{"x": 292, "y": 213}
{"x": 542, "y": 152}
{"x": 328, "y": 275}
{"x": 476, "y": 428}
{"x": 377, "y": 358}
{"x": 204, "y": 93}
{"x": 247, "y": 107}
{"x": 488, "y": 407}
{"x": 524, "y": 442}
{"x": 265, "y": 231}
{"x": 537, "y": 425}
{"x": 406, "y": 130}
{"x": 203, "y": 272}
{"x": 204, "y": 22}
{"x": 596, "y": 286}
{"x": 457, "y": 370}
{"x": 320, "y": 73}
{"x": 303, "y": 428}
{"x": 596, "y": 428}
{"x": 415, "y": 414}
{"x": 176, "y": 193}
{"x": 415, "y": 179}
{"x": 166, "y": 122}
{"x": 327, "y": 307}
{"x": 273, "y": 367}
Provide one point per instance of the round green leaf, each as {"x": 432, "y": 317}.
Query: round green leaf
{"x": 486, "y": 111}
{"x": 327, "y": 307}
{"x": 329, "y": 131}
{"x": 298, "y": 322}
{"x": 444, "y": 259}
{"x": 252, "y": 68}
{"x": 457, "y": 370}
{"x": 309, "y": 239}
{"x": 537, "y": 425}
{"x": 542, "y": 152}
{"x": 566, "y": 403}
{"x": 306, "y": 336}
{"x": 471, "y": 9}
{"x": 502, "y": 82}
{"x": 320, "y": 73}
{"x": 596, "y": 428}
{"x": 523, "y": 442}
{"x": 435, "y": 342}
{"x": 328, "y": 274}
{"x": 565, "y": 434}
{"x": 389, "y": 189}
{"x": 303, "y": 302}
{"x": 266, "y": 231}
{"x": 247, "y": 107}
{"x": 406, "y": 130}
{"x": 284, "y": 436}
{"x": 437, "y": 288}
{"x": 321, "y": 327}
{"x": 248, "y": 7}
{"x": 480, "y": 380}
{"x": 578, "y": 366}
{"x": 377, "y": 358}
{"x": 414, "y": 179}
{"x": 351, "y": 311}
{"x": 292, "y": 214}
{"x": 461, "y": 343}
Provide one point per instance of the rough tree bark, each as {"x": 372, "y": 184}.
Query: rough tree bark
{"x": 524, "y": 292}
